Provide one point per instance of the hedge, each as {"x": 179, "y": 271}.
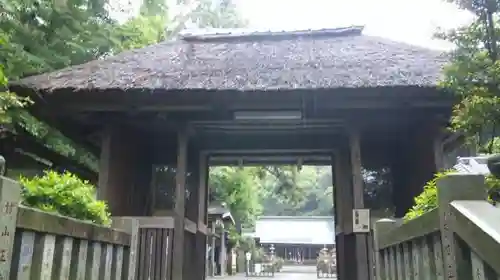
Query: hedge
{"x": 427, "y": 200}
{"x": 65, "y": 194}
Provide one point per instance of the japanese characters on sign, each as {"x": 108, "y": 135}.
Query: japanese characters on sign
{"x": 361, "y": 220}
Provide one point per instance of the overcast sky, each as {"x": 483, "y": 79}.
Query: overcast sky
{"x": 411, "y": 21}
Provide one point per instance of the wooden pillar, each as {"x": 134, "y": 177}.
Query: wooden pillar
{"x": 341, "y": 171}
{"x": 180, "y": 191}
{"x": 212, "y": 252}
{"x": 118, "y": 170}
{"x": 418, "y": 157}
{"x": 201, "y": 237}
{"x": 358, "y": 197}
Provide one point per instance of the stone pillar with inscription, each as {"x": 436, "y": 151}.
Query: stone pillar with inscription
{"x": 10, "y": 197}
{"x": 450, "y": 188}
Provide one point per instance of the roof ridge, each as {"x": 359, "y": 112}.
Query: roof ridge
{"x": 276, "y": 35}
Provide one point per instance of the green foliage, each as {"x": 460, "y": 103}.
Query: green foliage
{"x": 238, "y": 188}
{"x": 218, "y": 14}
{"x": 38, "y": 36}
{"x": 48, "y": 35}
{"x": 427, "y": 200}
{"x": 492, "y": 146}
{"x": 473, "y": 73}
{"x": 288, "y": 191}
{"x": 154, "y": 8}
{"x": 10, "y": 103}
{"x": 142, "y": 31}
{"x": 65, "y": 194}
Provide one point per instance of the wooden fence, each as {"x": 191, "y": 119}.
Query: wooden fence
{"x": 38, "y": 245}
{"x": 458, "y": 240}
{"x": 151, "y": 246}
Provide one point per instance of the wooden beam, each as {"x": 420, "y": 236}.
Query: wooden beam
{"x": 267, "y": 152}
{"x": 117, "y": 107}
{"x": 278, "y": 144}
{"x": 245, "y": 103}
{"x": 269, "y": 160}
{"x": 272, "y": 142}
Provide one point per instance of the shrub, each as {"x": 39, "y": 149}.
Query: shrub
{"x": 427, "y": 200}
{"x": 65, "y": 194}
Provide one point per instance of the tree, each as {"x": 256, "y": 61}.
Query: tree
{"x": 50, "y": 35}
{"x": 46, "y": 35}
{"x": 142, "y": 31}
{"x": 153, "y": 8}
{"x": 218, "y": 14}
{"x": 473, "y": 73}
{"x": 10, "y": 103}
{"x": 239, "y": 189}
{"x": 289, "y": 191}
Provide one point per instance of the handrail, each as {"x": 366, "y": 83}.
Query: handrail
{"x": 477, "y": 223}
{"x": 460, "y": 238}
{"x": 422, "y": 226}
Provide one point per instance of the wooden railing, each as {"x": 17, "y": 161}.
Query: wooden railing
{"x": 40, "y": 245}
{"x": 458, "y": 240}
{"x": 151, "y": 246}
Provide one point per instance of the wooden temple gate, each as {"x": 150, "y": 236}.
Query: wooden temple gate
{"x": 174, "y": 105}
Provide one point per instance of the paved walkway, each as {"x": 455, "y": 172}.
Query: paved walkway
{"x": 287, "y": 273}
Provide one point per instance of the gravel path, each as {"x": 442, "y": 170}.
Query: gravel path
{"x": 287, "y": 273}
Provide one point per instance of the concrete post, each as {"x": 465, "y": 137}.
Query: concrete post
{"x": 381, "y": 226}
{"x": 450, "y": 188}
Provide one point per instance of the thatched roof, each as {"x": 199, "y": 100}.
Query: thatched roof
{"x": 333, "y": 58}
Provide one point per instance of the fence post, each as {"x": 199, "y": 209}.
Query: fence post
{"x": 450, "y": 188}
{"x": 381, "y": 226}
{"x": 131, "y": 258}
{"x": 10, "y": 197}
